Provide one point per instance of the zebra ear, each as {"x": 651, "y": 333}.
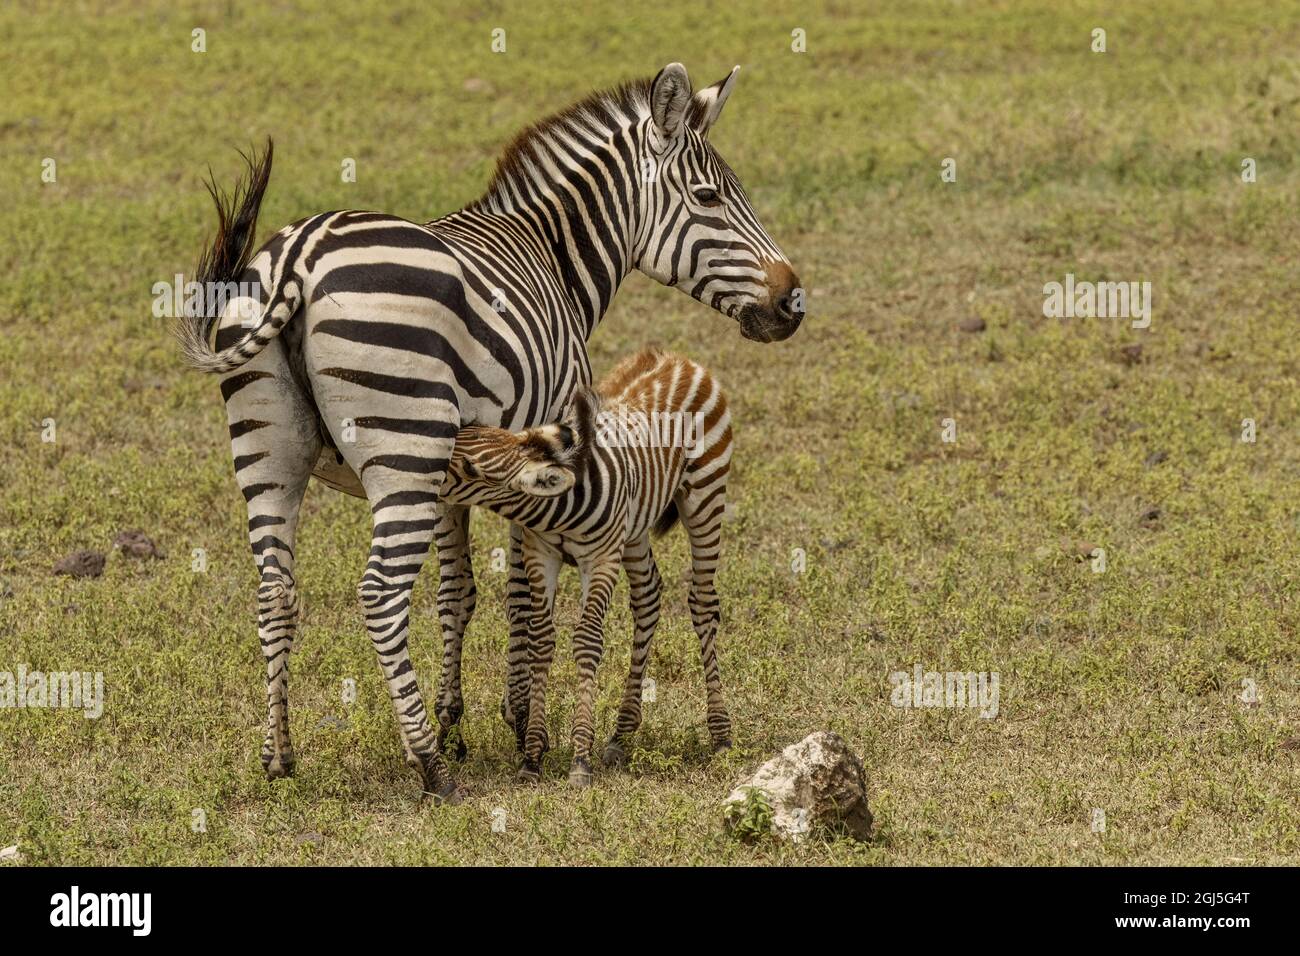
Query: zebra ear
{"x": 565, "y": 443}
{"x": 541, "y": 479}
{"x": 708, "y": 102}
{"x": 670, "y": 95}
{"x": 580, "y": 419}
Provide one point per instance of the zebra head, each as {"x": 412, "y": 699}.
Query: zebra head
{"x": 492, "y": 465}
{"x": 699, "y": 232}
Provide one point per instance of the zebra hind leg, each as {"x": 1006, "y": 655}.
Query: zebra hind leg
{"x": 701, "y": 511}
{"x": 275, "y": 442}
{"x": 403, "y": 509}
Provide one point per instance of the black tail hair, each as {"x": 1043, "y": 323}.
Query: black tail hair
{"x": 226, "y": 257}
{"x": 667, "y": 520}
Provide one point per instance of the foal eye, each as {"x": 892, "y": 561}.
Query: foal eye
{"x": 471, "y": 469}
{"x": 707, "y": 195}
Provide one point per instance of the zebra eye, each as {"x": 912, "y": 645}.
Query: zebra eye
{"x": 707, "y": 195}
{"x": 471, "y": 469}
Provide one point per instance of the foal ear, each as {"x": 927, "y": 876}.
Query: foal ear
{"x": 670, "y": 95}
{"x": 564, "y": 443}
{"x": 579, "y": 418}
{"x": 544, "y": 480}
{"x": 707, "y": 104}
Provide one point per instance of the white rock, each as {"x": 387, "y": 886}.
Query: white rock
{"x": 11, "y": 853}
{"x": 816, "y": 782}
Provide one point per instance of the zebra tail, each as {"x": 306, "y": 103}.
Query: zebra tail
{"x": 224, "y": 261}
{"x": 667, "y": 520}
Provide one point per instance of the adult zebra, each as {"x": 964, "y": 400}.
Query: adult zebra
{"x": 378, "y": 338}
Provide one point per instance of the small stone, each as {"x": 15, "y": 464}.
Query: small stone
{"x": 818, "y": 782}
{"x": 81, "y": 564}
{"x": 973, "y": 324}
{"x": 11, "y": 854}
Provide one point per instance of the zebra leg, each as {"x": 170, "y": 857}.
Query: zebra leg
{"x": 701, "y": 511}
{"x": 277, "y": 623}
{"x": 515, "y": 700}
{"x": 644, "y": 587}
{"x": 396, "y": 432}
{"x": 543, "y": 568}
{"x": 588, "y": 644}
{"x": 400, "y": 543}
{"x": 275, "y": 441}
{"x": 457, "y": 597}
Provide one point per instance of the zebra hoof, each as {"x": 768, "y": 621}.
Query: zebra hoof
{"x": 279, "y": 768}
{"x": 528, "y": 775}
{"x": 580, "y": 774}
{"x": 452, "y": 745}
{"x": 614, "y": 756}
{"x": 448, "y": 794}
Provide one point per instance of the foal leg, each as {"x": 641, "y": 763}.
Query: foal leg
{"x": 701, "y": 511}
{"x": 457, "y": 597}
{"x": 542, "y": 568}
{"x": 644, "y": 588}
{"x": 519, "y": 610}
{"x": 588, "y": 643}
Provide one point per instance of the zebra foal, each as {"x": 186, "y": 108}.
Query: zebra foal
{"x": 650, "y": 446}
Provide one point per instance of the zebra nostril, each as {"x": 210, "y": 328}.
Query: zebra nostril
{"x": 785, "y": 307}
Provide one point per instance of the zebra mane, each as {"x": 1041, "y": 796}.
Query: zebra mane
{"x": 604, "y": 110}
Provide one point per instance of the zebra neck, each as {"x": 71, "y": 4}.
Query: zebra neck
{"x": 581, "y": 210}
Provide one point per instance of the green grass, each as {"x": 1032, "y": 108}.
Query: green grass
{"x": 1119, "y": 690}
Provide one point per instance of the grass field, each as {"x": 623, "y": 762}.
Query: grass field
{"x": 1119, "y": 690}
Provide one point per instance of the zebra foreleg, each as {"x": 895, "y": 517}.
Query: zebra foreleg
{"x": 644, "y": 587}
{"x": 600, "y": 577}
{"x": 515, "y": 700}
{"x": 457, "y": 597}
{"x": 543, "y": 568}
